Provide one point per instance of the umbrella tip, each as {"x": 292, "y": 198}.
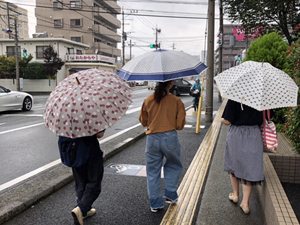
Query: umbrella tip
{"x": 78, "y": 82}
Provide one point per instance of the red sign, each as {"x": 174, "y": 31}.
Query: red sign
{"x": 90, "y": 58}
{"x": 239, "y": 33}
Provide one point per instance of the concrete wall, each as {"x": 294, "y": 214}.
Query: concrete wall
{"x": 30, "y": 85}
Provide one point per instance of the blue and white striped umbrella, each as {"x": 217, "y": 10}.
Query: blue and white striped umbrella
{"x": 161, "y": 65}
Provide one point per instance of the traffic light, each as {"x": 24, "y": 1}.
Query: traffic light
{"x": 24, "y": 52}
{"x": 239, "y": 58}
{"x": 220, "y": 42}
{"x": 155, "y": 45}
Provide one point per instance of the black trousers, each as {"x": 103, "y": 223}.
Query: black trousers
{"x": 88, "y": 178}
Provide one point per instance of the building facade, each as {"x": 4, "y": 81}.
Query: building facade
{"x": 91, "y": 22}
{"x": 231, "y": 52}
{"x": 36, "y": 47}
{"x": 11, "y": 13}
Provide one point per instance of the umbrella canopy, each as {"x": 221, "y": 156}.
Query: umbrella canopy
{"x": 161, "y": 65}
{"x": 258, "y": 85}
{"x": 86, "y": 102}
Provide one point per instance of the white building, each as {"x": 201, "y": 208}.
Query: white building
{"x": 71, "y": 52}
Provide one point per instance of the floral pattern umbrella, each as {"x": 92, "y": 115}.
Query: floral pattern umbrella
{"x": 86, "y": 102}
{"x": 258, "y": 85}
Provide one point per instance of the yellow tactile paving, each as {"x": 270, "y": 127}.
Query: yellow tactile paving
{"x": 192, "y": 183}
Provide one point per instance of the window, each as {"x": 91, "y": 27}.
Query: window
{"x": 75, "y": 4}
{"x": 75, "y": 22}
{"x": 10, "y": 51}
{"x": 58, "y": 23}
{"x": 78, "y": 52}
{"x": 57, "y": 5}
{"x": 77, "y": 39}
{"x": 40, "y": 51}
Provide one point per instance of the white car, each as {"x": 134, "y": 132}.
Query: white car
{"x": 10, "y": 100}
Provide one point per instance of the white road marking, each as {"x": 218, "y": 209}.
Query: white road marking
{"x": 54, "y": 163}
{"x": 133, "y": 110}
{"x": 192, "y": 126}
{"x": 118, "y": 134}
{"x": 28, "y": 175}
{"x": 21, "y": 128}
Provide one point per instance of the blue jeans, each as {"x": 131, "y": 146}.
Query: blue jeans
{"x": 158, "y": 146}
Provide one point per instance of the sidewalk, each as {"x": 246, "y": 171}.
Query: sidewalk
{"x": 215, "y": 207}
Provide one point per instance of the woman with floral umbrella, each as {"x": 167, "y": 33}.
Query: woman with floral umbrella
{"x": 79, "y": 110}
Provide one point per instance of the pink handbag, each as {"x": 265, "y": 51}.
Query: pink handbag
{"x": 269, "y": 133}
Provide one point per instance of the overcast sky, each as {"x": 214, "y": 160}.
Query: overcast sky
{"x": 182, "y": 34}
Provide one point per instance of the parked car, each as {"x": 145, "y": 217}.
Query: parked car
{"x": 139, "y": 83}
{"x": 10, "y": 100}
{"x": 151, "y": 85}
{"x": 181, "y": 86}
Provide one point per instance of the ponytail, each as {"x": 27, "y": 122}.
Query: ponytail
{"x": 160, "y": 91}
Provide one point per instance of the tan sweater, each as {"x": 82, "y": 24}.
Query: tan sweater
{"x": 168, "y": 115}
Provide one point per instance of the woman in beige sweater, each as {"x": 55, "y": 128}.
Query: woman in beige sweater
{"x": 162, "y": 113}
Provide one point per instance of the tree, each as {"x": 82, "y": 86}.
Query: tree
{"x": 8, "y": 66}
{"x": 292, "y": 125}
{"x": 35, "y": 70}
{"x": 52, "y": 62}
{"x": 23, "y": 64}
{"x": 271, "y": 14}
{"x": 269, "y": 48}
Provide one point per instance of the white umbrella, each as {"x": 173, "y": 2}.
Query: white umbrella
{"x": 161, "y": 65}
{"x": 258, "y": 85}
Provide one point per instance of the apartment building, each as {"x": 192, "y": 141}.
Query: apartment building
{"x": 229, "y": 53}
{"x": 10, "y": 13}
{"x": 91, "y": 22}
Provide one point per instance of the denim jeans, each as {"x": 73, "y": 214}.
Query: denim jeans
{"x": 158, "y": 146}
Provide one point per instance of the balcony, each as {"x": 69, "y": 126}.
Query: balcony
{"x": 106, "y": 32}
{"x": 113, "y": 6}
{"x": 106, "y": 49}
{"x": 108, "y": 18}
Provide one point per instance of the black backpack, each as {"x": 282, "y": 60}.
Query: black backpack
{"x": 73, "y": 152}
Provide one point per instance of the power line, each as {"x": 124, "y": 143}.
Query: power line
{"x": 145, "y": 15}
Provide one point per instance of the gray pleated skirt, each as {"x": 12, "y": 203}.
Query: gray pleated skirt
{"x": 243, "y": 155}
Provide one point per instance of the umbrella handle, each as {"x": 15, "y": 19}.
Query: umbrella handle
{"x": 78, "y": 82}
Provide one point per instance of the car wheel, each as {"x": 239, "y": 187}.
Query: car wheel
{"x": 175, "y": 92}
{"x": 27, "y": 104}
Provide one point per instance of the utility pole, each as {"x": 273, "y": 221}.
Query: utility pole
{"x": 123, "y": 39}
{"x": 8, "y": 18}
{"x": 210, "y": 62}
{"x": 173, "y": 46}
{"x": 156, "y": 31}
{"x": 130, "y": 48}
{"x": 221, "y": 32}
{"x": 17, "y": 56}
